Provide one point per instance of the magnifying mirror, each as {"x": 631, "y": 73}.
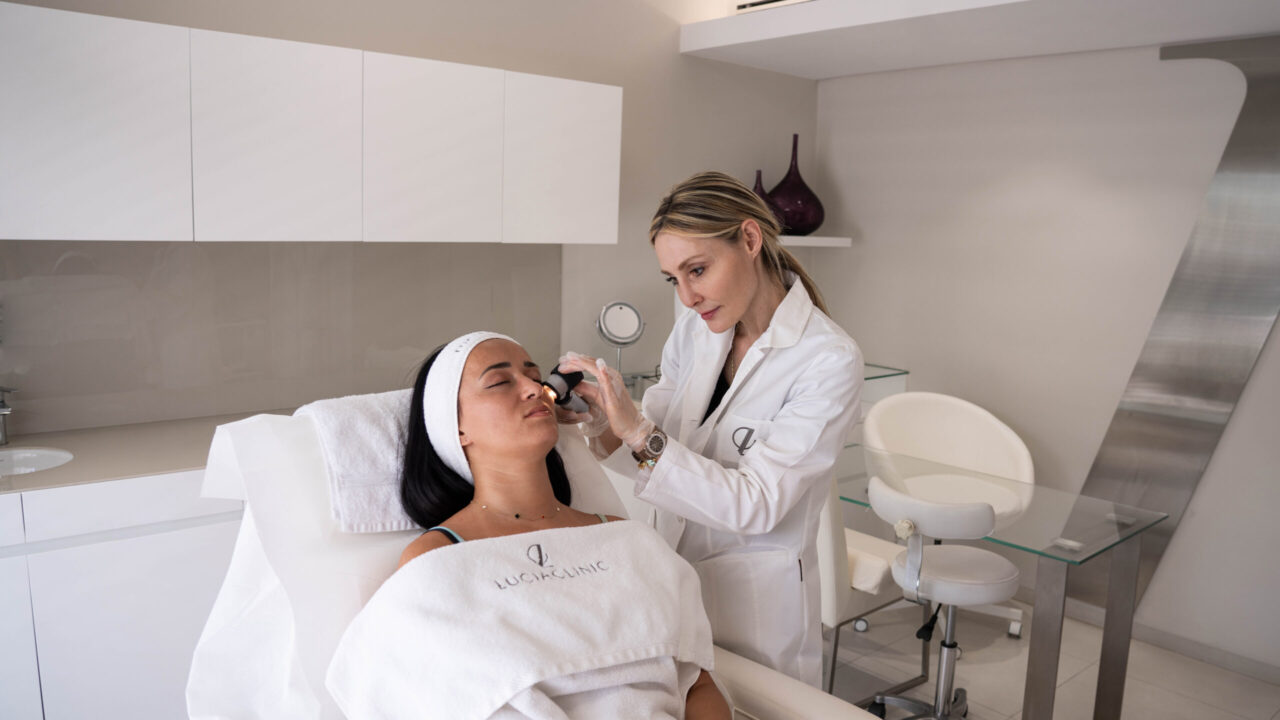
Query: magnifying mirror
{"x": 621, "y": 325}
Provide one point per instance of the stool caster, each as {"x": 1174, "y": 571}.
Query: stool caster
{"x": 960, "y": 703}
{"x": 861, "y": 625}
{"x": 877, "y": 709}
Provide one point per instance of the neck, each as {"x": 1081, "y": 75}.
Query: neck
{"x": 516, "y": 486}
{"x": 756, "y": 320}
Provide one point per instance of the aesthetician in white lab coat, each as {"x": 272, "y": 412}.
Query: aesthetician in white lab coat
{"x": 735, "y": 444}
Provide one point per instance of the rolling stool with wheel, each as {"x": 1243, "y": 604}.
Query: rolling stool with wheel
{"x": 951, "y": 575}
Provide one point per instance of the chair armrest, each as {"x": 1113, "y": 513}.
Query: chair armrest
{"x": 760, "y": 693}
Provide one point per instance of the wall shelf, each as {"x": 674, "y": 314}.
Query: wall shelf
{"x": 832, "y": 38}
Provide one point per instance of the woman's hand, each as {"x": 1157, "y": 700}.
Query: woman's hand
{"x": 594, "y": 422}
{"x": 610, "y": 393}
{"x": 600, "y": 437}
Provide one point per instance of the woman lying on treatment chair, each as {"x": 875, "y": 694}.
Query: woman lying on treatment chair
{"x": 513, "y": 604}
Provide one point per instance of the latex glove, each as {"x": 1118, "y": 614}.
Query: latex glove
{"x": 594, "y": 422}
{"x": 610, "y": 392}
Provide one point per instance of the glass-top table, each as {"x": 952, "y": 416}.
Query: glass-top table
{"x": 1061, "y": 525}
{"x": 1064, "y": 529}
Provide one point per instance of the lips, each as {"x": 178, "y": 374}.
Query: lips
{"x": 541, "y": 411}
{"x": 709, "y": 314}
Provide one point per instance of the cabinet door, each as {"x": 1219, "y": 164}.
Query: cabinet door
{"x": 117, "y": 622}
{"x": 19, "y": 680}
{"x": 132, "y": 502}
{"x": 275, "y": 131}
{"x": 561, "y": 161}
{"x": 11, "y": 532}
{"x": 95, "y": 135}
{"x": 432, "y": 151}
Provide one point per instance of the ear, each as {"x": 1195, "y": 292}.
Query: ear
{"x": 752, "y": 238}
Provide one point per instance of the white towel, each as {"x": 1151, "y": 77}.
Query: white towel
{"x": 600, "y": 621}
{"x": 362, "y": 438}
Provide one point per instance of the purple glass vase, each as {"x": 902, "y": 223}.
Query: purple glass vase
{"x": 773, "y": 206}
{"x": 801, "y": 210}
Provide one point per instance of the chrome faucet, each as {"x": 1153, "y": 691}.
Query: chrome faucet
{"x": 4, "y": 412}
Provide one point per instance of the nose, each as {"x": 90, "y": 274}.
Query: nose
{"x": 687, "y": 296}
{"x": 530, "y": 388}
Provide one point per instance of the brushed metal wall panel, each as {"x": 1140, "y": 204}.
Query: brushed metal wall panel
{"x": 1217, "y": 313}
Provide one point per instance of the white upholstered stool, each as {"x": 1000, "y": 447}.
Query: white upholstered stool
{"x": 950, "y": 575}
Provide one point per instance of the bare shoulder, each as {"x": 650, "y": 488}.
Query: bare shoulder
{"x": 424, "y": 543}
{"x": 614, "y": 518}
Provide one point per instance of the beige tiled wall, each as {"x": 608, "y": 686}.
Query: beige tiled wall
{"x": 99, "y": 334}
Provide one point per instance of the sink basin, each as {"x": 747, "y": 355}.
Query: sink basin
{"x": 16, "y": 461}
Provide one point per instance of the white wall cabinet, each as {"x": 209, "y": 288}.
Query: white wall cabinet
{"x": 432, "y": 151}
{"x": 122, "y": 130}
{"x": 19, "y": 678}
{"x": 95, "y": 132}
{"x": 116, "y": 622}
{"x": 275, "y": 139}
{"x": 561, "y": 161}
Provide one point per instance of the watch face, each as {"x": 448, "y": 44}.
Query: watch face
{"x": 655, "y": 444}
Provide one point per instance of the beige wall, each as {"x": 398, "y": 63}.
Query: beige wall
{"x": 187, "y": 330}
{"x": 1017, "y": 224}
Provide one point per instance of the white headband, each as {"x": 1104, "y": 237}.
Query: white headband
{"x": 440, "y": 400}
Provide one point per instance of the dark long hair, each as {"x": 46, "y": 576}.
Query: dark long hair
{"x": 430, "y": 490}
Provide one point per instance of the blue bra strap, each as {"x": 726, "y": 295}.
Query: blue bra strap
{"x": 453, "y": 536}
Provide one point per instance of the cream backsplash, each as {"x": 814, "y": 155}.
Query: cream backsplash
{"x": 98, "y": 334}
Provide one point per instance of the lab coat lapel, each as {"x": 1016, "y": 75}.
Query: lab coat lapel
{"x": 708, "y": 361}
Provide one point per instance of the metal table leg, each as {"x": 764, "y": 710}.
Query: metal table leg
{"x": 1046, "y": 639}
{"x": 1122, "y": 588}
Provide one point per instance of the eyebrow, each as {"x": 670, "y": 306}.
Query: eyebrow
{"x": 686, "y": 263}
{"x": 502, "y": 365}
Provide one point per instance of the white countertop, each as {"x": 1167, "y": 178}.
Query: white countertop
{"x": 121, "y": 451}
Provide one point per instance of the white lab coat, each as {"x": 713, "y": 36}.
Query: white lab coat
{"x": 739, "y": 496}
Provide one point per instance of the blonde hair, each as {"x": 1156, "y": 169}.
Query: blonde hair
{"x": 714, "y": 205}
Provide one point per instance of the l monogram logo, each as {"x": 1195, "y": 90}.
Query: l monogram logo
{"x": 537, "y": 556}
{"x": 742, "y": 439}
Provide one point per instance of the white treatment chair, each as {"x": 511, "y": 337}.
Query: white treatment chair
{"x": 296, "y": 581}
{"x": 951, "y": 431}
{"x": 951, "y": 575}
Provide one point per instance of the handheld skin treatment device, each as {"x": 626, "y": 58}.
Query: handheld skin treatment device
{"x": 560, "y": 387}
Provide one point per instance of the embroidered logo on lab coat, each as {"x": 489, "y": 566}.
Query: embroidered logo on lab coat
{"x": 742, "y": 439}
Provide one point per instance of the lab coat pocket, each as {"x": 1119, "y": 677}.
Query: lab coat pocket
{"x": 755, "y": 601}
{"x": 738, "y": 434}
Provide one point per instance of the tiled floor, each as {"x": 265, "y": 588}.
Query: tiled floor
{"x": 1161, "y": 684}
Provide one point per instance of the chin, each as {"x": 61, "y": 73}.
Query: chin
{"x": 718, "y": 325}
{"x": 547, "y": 432}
